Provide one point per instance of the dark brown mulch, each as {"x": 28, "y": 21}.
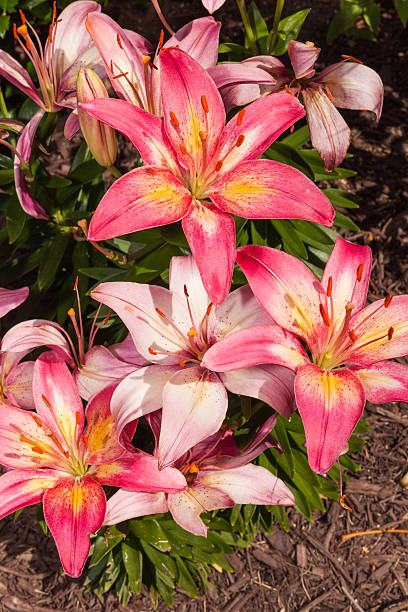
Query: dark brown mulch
{"x": 308, "y": 568}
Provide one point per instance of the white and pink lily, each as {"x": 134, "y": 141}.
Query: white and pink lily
{"x": 68, "y": 47}
{"x": 347, "y": 84}
{"x": 174, "y": 328}
{"x": 201, "y": 171}
{"x": 348, "y": 344}
{"x": 58, "y": 461}
{"x": 218, "y": 475}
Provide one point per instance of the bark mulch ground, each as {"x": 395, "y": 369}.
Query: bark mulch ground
{"x": 308, "y": 568}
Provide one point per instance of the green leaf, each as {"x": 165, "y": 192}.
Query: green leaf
{"x": 289, "y": 29}
{"x": 372, "y": 16}
{"x": 56, "y": 182}
{"x": 281, "y": 435}
{"x": 401, "y": 6}
{"x": 4, "y": 25}
{"x": 298, "y": 138}
{"x": 281, "y": 516}
{"x": 6, "y": 177}
{"x": 163, "y": 564}
{"x": 259, "y": 27}
{"x": 86, "y": 172}
{"x": 292, "y": 244}
{"x": 133, "y": 562}
{"x": 104, "y": 544}
{"x": 15, "y": 219}
{"x": 185, "y": 578}
{"x": 103, "y": 274}
{"x": 341, "y": 220}
{"x": 343, "y": 199}
{"x": 313, "y": 159}
{"x": 151, "y": 531}
{"x": 344, "y": 19}
{"x": 287, "y": 154}
{"x": 51, "y": 260}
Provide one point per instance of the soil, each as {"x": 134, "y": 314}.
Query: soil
{"x": 309, "y": 568}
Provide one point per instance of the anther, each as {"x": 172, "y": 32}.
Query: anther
{"x": 240, "y": 140}
{"x": 54, "y": 9}
{"x": 193, "y": 469}
{"x": 23, "y": 19}
{"x": 360, "y": 272}
{"x": 159, "y": 312}
{"x": 352, "y": 335}
{"x": 209, "y": 308}
{"x": 218, "y": 165}
{"x": 85, "y": 439}
{"x": 146, "y": 59}
{"x": 161, "y": 39}
{"x": 46, "y": 400}
{"x": 185, "y": 291}
{"x": 204, "y": 104}
{"x": 66, "y": 453}
{"x": 387, "y": 301}
{"x": 15, "y": 31}
{"x": 390, "y": 333}
{"x": 352, "y": 58}
{"x": 309, "y": 43}
{"x": 292, "y": 128}
{"x": 174, "y": 119}
{"x": 76, "y": 284}
{"x": 121, "y": 74}
{"x": 22, "y": 30}
{"x": 183, "y": 150}
{"x": 343, "y": 504}
{"x": 78, "y": 417}
{"x": 240, "y": 116}
{"x": 329, "y": 286}
{"x": 119, "y": 41}
{"x": 182, "y": 364}
{"x": 37, "y": 420}
{"x": 192, "y": 332}
{"x": 288, "y": 89}
{"x": 151, "y": 351}
{"x": 329, "y": 93}
{"x": 37, "y": 449}
{"x": 50, "y": 32}
{"x": 324, "y": 315}
{"x": 203, "y": 136}
{"x": 71, "y": 312}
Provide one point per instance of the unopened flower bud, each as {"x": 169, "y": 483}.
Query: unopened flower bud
{"x": 100, "y": 138}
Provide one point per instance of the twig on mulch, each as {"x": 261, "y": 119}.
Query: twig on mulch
{"x": 329, "y": 556}
{"x": 352, "y": 599}
{"x": 398, "y": 607}
{"x": 312, "y": 604}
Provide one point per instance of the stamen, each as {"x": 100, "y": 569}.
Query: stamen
{"x": 146, "y": 59}
{"x": 288, "y": 89}
{"x": 343, "y": 504}
{"x": 204, "y": 104}
{"x": 218, "y": 165}
{"x": 66, "y": 453}
{"x": 119, "y": 41}
{"x": 209, "y": 308}
{"x": 22, "y": 30}
{"x": 161, "y": 39}
{"x": 23, "y": 19}
{"x": 240, "y": 140}
{"x": 46, "y": 400}
{"x": 203, "y": 136}
{"x": 240, "y": 116}
{"x": 151, "y": 351}
{"x": 78, "y": 417}
{"x": 54, "y": 9}
{"x": 390, "y": 333}
{"x": 182, "y": 364}
{"x": 71, "y": 312}
{"x": 37, "y": 449}
{"x": 329, "y": 286}
{"x": 352, "y": 335}
{"x": 183, "y": 150}
{"x": 193, "y": 469}
{"x": 324, "y": 315}
{"x": 50, "y": 32}
{"x": 351, "y": 57}
{"x": 159, "y": 312}
{"x": 309, "y": 43}
{"x": 15, "y": 31}
{"x": 122, "y": 74}
{"x": 37, "y": 420}
{"x": 76, "y": 285}
{"x": 185, "y": 291}
{"x": 387, "y": 301}
{"x": 329, "y": 93}
{"x": 174, "y": 119}
{"x": 360, "y": 272}
{"x": 191, "y": 332}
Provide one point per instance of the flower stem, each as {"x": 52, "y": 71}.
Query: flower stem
{"x": 162, "y": 17}
{"x": 3, "y": 106}
{"x": 113, "y": 170}
{"x": 247, "y": 25}
{"x": 275, "y": 25}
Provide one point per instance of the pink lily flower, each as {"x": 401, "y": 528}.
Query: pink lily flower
{"x": 174, "y": 328}
{"x": 68, "y": 47}
{"x": 218, "y": 475}
{"x": 348, "y": 344}
{"x": 134, "y": 67}
{"x": 347, "y": 84}
{"x": 201, "y": 171}
{"x": 212, "y": 5}
{"x": 54, "y": 459}
{"x": 15, "y": 377}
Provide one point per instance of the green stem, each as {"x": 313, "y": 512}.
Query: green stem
{"x": 247, "y": 25}
{"x": 275, "y": 25}
{"x": 3, "y": 106}
{"x": 46, "y": 125}
{"x": 113, "y": 170}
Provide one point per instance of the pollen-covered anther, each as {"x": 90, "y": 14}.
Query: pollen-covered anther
{"x": 329, "y": 286}
{"x": 240, "y": 140}
{"x": 343, "y": 503}
{"x": 37, "y": 420}
{"x": 390, "y": 333}
{"x": 182, "y": 364}
{"x": 22, "y": 16}
{"x": 15, "y": 31}
{"x": 288, "y": 89}
{"x": 119, "y": 41}
{"x": 309, "y": 43}
{"x": 387, "y": 301}
{"x": 204, "y": 104}
{"x": 22, "y": 30}
{"x": 360, "y": 270}
{"x": 351, "y": 57}
{"x": 146, "y": 59}
{"x": 183, "y": 150}
{"x": 37, "y": 449}
{"x": 329, "y": 93}
{"x": 193, "y": 469}
{"x": 151, "y": 351}
{"x": 292, "y": 128}
{"x": 192, "y": 332}
{"x": 209, "y": 309}
{"x": 324, "y": 315}
{"x": 78, "y": 417}
{"x": 161, "y": 39}
{"x": 46, "y": 400}
{"x": 66, "y": 454}
{"x": 218, "y": 165}
{"x": 71, "y": 312}
{"x": 174, "y": 119}
{"x": 352, "y": 335}
{"x": 160, "y": 312}
{"x": 203, "y": 136}
{"x": 240, "y": 116}
{"x": 121, "y": 74}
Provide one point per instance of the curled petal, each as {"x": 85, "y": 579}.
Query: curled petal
{"x": 303, "y": 57}
{"x": 187, "y": 506}
{"x": 127, "y": 352}
{"x": 199, "y": 39}
{"x": 143, "y": 198}
{"x": 385, "y": 381}
{"x": 18, "y": 385}
{"x": 21, "y": 488}
{"x": 212, "y": 5}
{"x": 125, "y": 505}
{"x": 11, "y": 298}
{"x": 266, "y": 189}
{"x": 329, "y": 132}
{"x": 330, "y": 404}
{"x": 14, "y": 72}
{"x": 34, "y": 333}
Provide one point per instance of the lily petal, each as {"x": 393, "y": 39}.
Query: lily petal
{"x": 273, "y": 384}
{"x": 11, "y": 298}
{"x": 212, "y": 5}
{"x": 264, "y": 189}
{"x": 253, "y": 346}
{"x": 31, "y": 334}
{"x": 303, "y": 57}
{"x": 14, "y": 72}
{"x": 211, "y": 237}
{"x": 74, "y": 508}
{"x": 18, "y": 385}
{"x": 101, "y": 434}
{"x": 127, "y": 352}
{"x": 24, "y": 146}
{"x": 385, "y": 381}
{"x": 199, "y": 39}
{"x": 125, "y": 505}
{"x": 194, "y": 407}
{"x": 286, "y": 288}
{"x": 329, "y": 133}
{"x": 143, "y": 198}
{"x": 187, "y": 506}
{"x": 22, "y": 488}
{"x": 184, "y": 275}
{"x": 330, "y": 404}
{"x": 249, "y": 484}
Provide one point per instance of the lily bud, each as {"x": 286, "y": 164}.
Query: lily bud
{"x": 100, "y": 138}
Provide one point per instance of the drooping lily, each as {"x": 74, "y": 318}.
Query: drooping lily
{"x": 348, "y": 343}
{"x": 218, "y": 476}
{"x": 174, "y": 329}
{"x": 201, "y": 171}
{"x": 347, "y": 84}
{"x": 54, "y": 459}
{"x": 134, "y": 66}
{"x": 68, "y": 47}
{"x": 212, "y": 5}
